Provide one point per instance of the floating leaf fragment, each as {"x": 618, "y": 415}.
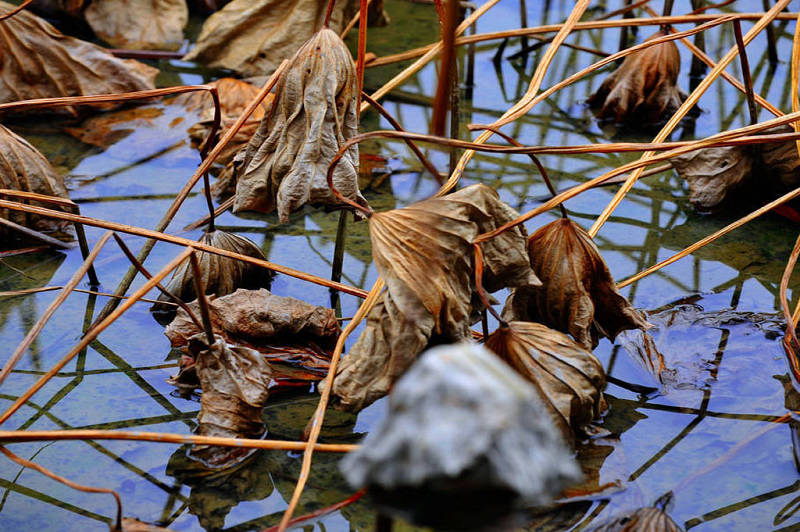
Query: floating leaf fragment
{"x": 38, "y": 61}
{"x": 578, "y": 296}
{"x": 139, "y": 24}
{"x": 424, "y": 252}
{"x": 465, "y": 442}
{"x": 23, "y": 168}
{"x": 131, "y": 524}
{"x": 644, "y": 88}
{"x": 252, "y": 37}
{"x": 221, "y": 275}
{"x": 568, "y": 379}
{"x": 285, "y": 164}
{"x": 652, "y": 518}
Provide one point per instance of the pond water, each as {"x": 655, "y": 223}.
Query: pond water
{"x": 715, "y": 311}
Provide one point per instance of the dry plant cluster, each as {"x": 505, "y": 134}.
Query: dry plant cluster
{"x": 294, "y": 142}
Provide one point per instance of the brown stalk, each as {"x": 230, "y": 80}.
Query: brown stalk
{"x": 9, "y": 436}
{"x": 687, "y": 105}
{"x": 16, "y": 10}
{"x": 711, "y": 6}
{"x": 48, "y": 313}
{"x": 224, "y": 206}
{"x": 748, "y": 80}
{"x": 410, "y": 143}
{"x": 58, "y": 478}
{"x": 352, "y": 23}
{"x": 93, "y": 333}
{"x": 144, "y": 54}
{"x": 150, "y": 234}
{"x": 202, "y": 301}
{"x": 441, "y": 102}
{"x": 790, "y": 342}
{"x": 139, "y": 266}
{"x": 34, "y": 234}
{"x": 478, "y": 254}
{"x": 126, "y": 281}
{"x": 796, "y": 76}
{"x": 323, "y": 511}
{"x": 362, "y": 49}
{"x": 26, "y": 291}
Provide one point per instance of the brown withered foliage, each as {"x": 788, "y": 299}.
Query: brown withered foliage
{"x": 568, "y": 378}
{"x": 285, "y": 164}
{"x": 139, "y": 24}
{"x": 131, "y": 524}
{"x": 23, "y": 168}
{"x": 718, "y": 174}
{"x": 235, "y": 382}
{"x": 221, "y": 275}
{"x": 38, "y": 61}
{"x": 424, "y": 253}
{"x": 644, "y": 87}
{"x": 578, "y": 295}
{"x": 252, "y": 37}
{"x": 650, "y": 518}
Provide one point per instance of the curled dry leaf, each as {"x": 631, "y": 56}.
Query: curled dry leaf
{"x": 653, "y": 518}
{"x": 578, "y": 296}
{"x": 221, "y": 275}
{"x": 717, "y": 174}
{"x": 465, "y": 441}
{"x": 139, "y": 24}
{"x": 285, "y": 164}
{"x": 23, "y": 168}
{"x": 286, "y": 331}
{"x": 424, "y": 252}
{"x": 644, "y": 88}
{"x": 568, "y": 378}
{"x": 235, "y": 382}
{"x": 252, "y": 37}
{"x": 38, "y": 61}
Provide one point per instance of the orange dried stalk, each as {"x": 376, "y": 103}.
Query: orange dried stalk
{"x": 579, "y": 296}
{"x": 644, "y": 87}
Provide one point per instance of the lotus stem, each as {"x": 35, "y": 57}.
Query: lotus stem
{"x": 748, "y": 80}
{"x": 338, "y": 259}
{"x": 328, "y": 13}
{"x": 362, "y": 50}
{"x": 478, "y": 254}
{"x": 441, "y": 102}
{"x": 324, "y": 511}
{"x": 202, "y": 300}
{"x": 16, "y": 10}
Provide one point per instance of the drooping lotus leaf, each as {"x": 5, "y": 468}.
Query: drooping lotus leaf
{"x": 286, "y": 331}
{"x": 38, "y": 61}
{"x": 23, "y": 168}
{"x": 286, "y": 162}
{"x": 139, "y": 24}
{"x": 424, "y": 253}
{"x": 717, "y": 174}
{"x": 235, "y": 382}
{"x": 465, "y": 441}
{"x": 578, "y": 295}
{"x": 221, "y": 275}
{"x": 652, "y": 518}
{"x": 252, "y": 37}
{"x": 568, "y": 378}
{"x": 644, "y": 87}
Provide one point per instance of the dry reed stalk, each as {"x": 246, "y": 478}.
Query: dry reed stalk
{"x": 591, "y": 25}
{"x": 352, "y": 23}
{"x": 27, "y": 291}
{"x": 362, "y": 50}
{"x": 16, "y": 10}
{"x": 93, "y": 333}
{"x": 58, "y": 478}
{"x": 155, "y": 235}
{"x": 442, "y": 98}
{"x": 11, "y": 436}
{"x": 51, "y": 308}
{"x": 323, "y": 511}
{"x": 790, "y": 339}
{"x": 63, "y": 202}
{"x": 795, "y": 94}
{"x": 427, "y": 56}
{"x": 208, "y": 160}
{"x": 687, "y": 105}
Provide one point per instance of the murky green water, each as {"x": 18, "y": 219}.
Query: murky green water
{"x": 716, "y": 310}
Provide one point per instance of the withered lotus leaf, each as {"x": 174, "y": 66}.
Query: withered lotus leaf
{"x": 644, "y": 87}
{"x": 424, "y": 253}
{"x": 650, "y": 519}
{"x": 235, "y": 382}
{"x": 252, "y": 37}
{"x": 568, "y": 378}
{"x": 139, "y": 24}
{"x": 221, "y": 275}
{"x": 578, "y": 295}
{"x": 23, "y": 168}
{"x": 38, "y": 61}
{"x": 131, "y": 524}
{"x": 285, "y": 164}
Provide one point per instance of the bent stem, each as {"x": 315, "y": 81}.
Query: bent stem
{"x": 791, "y": 334}
{"x": 479, "y": 285}
{"x": 202, "y": 301}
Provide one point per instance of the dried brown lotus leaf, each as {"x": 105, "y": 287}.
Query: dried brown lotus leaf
{"x": 424, "y": 252}
{"x": 139, "y": 24}
{"x": 285, "y": 164}
{"x": 221, "y": 275}
{"x": 131, "y": 524}
{"x": 252, "y": 37}
{"x": 568, "y": 378}
{"x": 40, "y": 62}
{"x": 578, "y": 296}
{"x": 650, "y": 519}
{"x": 644, "y": 87}
{"x": 23, "y": 168}
{"x": 235, "y": 382}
